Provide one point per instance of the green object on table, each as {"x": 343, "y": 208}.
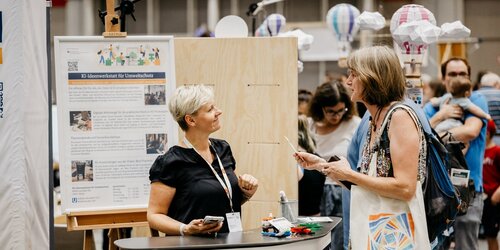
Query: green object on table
{"x": 312, "y": 226}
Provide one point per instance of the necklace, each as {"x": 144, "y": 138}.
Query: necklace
{"x": 376, "y": 117}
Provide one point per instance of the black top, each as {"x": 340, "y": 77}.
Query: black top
{"x": 310, "y": 192}
{"x": 198, "y": 192}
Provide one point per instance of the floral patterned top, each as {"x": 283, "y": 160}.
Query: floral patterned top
{"x": 382, "y": 148}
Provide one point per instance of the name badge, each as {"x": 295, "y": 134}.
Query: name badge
{"x": 234, "y": 222}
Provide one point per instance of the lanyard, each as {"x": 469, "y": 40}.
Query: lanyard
{"x": 226, "y": 185}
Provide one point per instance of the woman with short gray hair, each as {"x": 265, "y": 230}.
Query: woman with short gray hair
{"x": 197, "y": 177}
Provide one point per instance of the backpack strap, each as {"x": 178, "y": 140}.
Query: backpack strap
{"x": 422, "y": 154}
{"x": 408, "y": 109}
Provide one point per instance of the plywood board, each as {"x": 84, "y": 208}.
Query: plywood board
{"x": 255, "y": 83}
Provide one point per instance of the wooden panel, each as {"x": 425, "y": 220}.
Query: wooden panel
{"x": 448, "y": 50}
{"x": 255, "y": 83}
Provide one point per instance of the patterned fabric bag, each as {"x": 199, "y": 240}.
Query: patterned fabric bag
{"x": 379, "y": 222}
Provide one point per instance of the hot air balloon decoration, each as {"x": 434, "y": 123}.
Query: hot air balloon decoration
{"x": 273, "y": 25}
{"x": 341, "y": 19}
{"x": 401, "y": 29}
{"x": 413, "y": 28}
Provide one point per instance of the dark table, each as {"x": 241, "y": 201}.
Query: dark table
{"x": 251, "y": 239}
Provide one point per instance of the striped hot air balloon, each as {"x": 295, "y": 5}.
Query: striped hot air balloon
{"x": 275, "y": 24}
{"x": 405, "y": 15}
{"x": 341, "y": 19}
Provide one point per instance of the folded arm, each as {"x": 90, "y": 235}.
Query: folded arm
{"x": 469, "y": 131}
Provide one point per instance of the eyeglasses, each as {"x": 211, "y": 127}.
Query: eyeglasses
{"x": 331, "y": 112}
{"x": 455, "y": 74}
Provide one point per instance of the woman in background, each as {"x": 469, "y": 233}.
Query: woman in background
{"x": 332, "y": 123}
{"x": 304, "y": 99}
{"x": 310, "y": 181}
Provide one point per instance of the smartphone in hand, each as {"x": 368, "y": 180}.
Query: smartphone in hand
{"x": 212, "y": 219}
{"x": 346, "y": 184}
{"x": 334, "y": 158}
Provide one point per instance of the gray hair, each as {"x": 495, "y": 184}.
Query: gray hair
{"x": 490, "y": 79}
{"x": 187, "y": 100}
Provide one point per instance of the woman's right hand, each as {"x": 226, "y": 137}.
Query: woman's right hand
{"x": 309, "y": 161}
{"x": 197, "y": 226}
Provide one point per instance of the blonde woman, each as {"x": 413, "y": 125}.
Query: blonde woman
{"x": 197, "y": 177}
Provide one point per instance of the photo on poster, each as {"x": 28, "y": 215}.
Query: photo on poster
{"x": 80, "y": 120}
{"x": 82, "y": 171}
{"x": 154, "y": 94}
{"x": 156, "y": 143}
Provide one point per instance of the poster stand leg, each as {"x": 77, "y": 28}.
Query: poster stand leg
{"x": 113, "y": 235}
{"x": 88, "y": 240}
{"x": 114, "y": 220}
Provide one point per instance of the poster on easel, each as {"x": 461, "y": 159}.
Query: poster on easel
{"x": 113, "y": 118}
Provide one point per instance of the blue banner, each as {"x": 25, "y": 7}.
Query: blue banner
{"x": 116, "y": 75}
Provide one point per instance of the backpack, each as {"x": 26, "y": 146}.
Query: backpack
{"x": 441, "y": 200}
{"x": 457, "y": 160}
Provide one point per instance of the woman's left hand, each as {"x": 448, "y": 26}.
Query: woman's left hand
{"x": 248, "y": 185}
{"x": 337, "y": 170}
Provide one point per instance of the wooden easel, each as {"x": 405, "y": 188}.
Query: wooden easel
{"x": 112, "y": 219}
{"x": 106, "y": 219}
{"x": 112, "y": 21}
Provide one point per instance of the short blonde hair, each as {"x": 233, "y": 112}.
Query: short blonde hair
{"x": 187, "y": 100}
{"x": 380, "y": 72}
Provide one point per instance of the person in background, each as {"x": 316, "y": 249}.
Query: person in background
{"x": 479, "y": 76}
{"x": 304, "y": 99}
{"x": 376, "y": 79}
{"x": 459, "y": 91}
{"x": 331, "y": 77}
{"x": 492, "y": 95}
{"x": 491, "y": 183}
{"x": 332, "y": 124}
{"x": 426, "y": 80}
{"x": 197, "y": 177}
{"x": 433, "y": 89}
{"x": 310, "y": 182}
{"x": 473, "y": 132}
